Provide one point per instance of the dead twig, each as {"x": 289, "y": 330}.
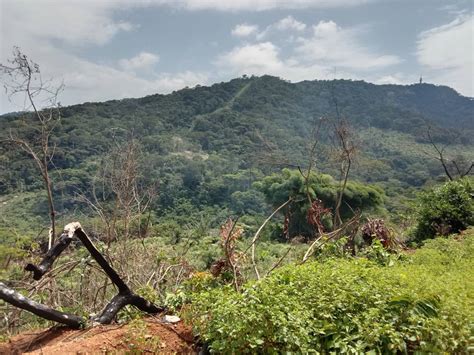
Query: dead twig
{"x": 257, "y": 234}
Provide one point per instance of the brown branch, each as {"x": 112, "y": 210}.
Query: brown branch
{"x": 329, "y": 236}
{"x": 460, "y": 173}
{"x": 348, "y": 150}
{"x": 440, "y": 155}
{"x": 468, "y": 171}
{"x": 229, "y": 254}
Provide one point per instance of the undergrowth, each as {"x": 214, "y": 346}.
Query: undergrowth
{"x": 417, "y": 303}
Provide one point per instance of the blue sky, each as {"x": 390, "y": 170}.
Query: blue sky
{"x": 122, "y": 48}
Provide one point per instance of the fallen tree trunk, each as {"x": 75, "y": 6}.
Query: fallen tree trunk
{"x": 18, "y": 300}
{"x": 75, "y": 229}
{"x": 121, "y": 300}
{"x": 124, "y": 297}
{"x": 48, "y": 260}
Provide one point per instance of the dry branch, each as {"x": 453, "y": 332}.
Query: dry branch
{"x": 255, "y": 237}
{"x": 330, "y": 236}
{"x": 124, "y": 297}
{"x": 18, "y": 300}
{"x": 441, "y": 157}
{"x": 48, "y": 260}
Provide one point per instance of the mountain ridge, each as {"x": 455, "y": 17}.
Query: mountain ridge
{"x": 193, "y": 138}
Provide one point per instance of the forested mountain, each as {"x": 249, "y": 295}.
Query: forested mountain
{"x": 205, "y": 146}
{"x": 177, "y": 190}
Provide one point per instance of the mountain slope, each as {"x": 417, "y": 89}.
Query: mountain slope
{"x": 204, "y": 144}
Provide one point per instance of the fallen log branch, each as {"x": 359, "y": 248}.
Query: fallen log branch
{"x": 124, "y": 297}
{"x": 18, "y": 300}
{"x": 52, "y": 254}
{"x": 121, "y": 300}
{"x": 75, "y": 229}
{"x": 330, "y": 236}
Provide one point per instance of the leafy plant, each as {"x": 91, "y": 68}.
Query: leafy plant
{"x": 420, "y": 304}
{"x": 445, "y": 209}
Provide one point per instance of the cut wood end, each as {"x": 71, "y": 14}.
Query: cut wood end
{"x": 71, "y": 228}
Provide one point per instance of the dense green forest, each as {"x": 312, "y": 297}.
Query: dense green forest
{"x": 177, "y": 189}
{"x": 205, "y": 147}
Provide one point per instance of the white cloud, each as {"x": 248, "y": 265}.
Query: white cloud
{"x": 447, "y": 54}
{"x": 290, "y": 23}
{"x": 339, "y": 47}
{"x": 244, "y": 30}
{"x": 174, "y": 81}
{"x": 141, "y": 61}
{"x": 260, "y": 58}
{"x": 286, "y": 24}
{"x": 73, "y": 21}
{"x": 40, "y": 29}
{"x": 259, "y": 5}
{"x": 316, "y": 55}
{"x": 329, "y": 45}
{"x": 396, "y": 79}
{"x": 86, "y": 81}
{"x": 264, "y": 58}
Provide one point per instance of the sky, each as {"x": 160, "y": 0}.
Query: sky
{"x": 112, "y": 49}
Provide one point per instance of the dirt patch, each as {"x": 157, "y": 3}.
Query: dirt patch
{"x": 145, "y": 335}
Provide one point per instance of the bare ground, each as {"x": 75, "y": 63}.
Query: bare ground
{"x": 153, "y": 336}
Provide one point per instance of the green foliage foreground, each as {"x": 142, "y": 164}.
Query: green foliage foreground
{"x": 421, "y": 303}
{"x": 445, "y": 209}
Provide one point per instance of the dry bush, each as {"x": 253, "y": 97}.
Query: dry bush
{"x": 376, "y": 229}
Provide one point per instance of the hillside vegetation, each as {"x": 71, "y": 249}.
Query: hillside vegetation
{"x": 271, "y": 216}
{"x": 420, "y": 302}
{"x": 206, "y": 146}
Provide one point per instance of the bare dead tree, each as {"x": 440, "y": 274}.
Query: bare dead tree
{"x": 312, "y": 147}
{"x": 230, "y": 262}
{"x": 459, "y": 171}
{"x": 22, "y": 76}
{"x": 119, "y": 195}
{"x": 230, "y": 233}
{"x": 346, "y": 150}
{"x": 349, "y": 226}
{"x": 270, "y": 154}
{"x": 345, "y": 153}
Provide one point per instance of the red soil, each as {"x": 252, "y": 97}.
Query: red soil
{"x": 153, "y": 337}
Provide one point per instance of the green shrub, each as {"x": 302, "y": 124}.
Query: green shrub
{"x": 279, "y": 187}
{"x": 422, "y": 303}
{"x": 445, "y": 209}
